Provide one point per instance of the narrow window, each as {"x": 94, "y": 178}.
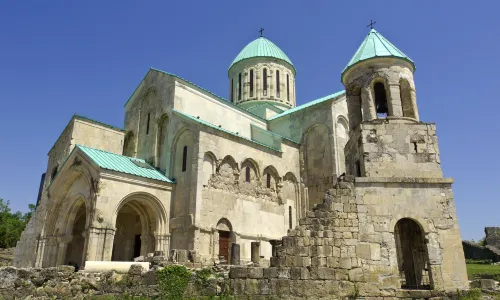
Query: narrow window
{"x": 278, "y": 84}
{"x": 268, "y": 181}
{"x": 264, "y": 83}
{"x": 232, "y": 90}
{"x": 357, "y": 169}
{"x": 184, "y": 158}
{"x": 251, "y": 83}
{"x": 247, "y": 174}
{"x": 287, "y": 88}
{"x": 380, "y": 100}
{"x": 290, "y": 217}
{"x": 53, "y": 174}
{"x": 239, "y": 86}
{"x": 147, "y": 124}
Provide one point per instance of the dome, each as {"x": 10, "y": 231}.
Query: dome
{"x": 262, "y": 47}
{"x": 375, "y": 45}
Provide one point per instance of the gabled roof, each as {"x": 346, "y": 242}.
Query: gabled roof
{"x": 261, "y": 47}
{"x": 375, "y": 45}
{"x": 123, "y": 164}
{"x": 309, "y": 104}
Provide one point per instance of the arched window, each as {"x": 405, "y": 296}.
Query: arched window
{"x": 406, "y": 99}
{"x": 239, "y": 86}
{"x": 380, "y": 100}
{"x": 264, "y": 81}
{"x": 184, "y": 158}
{"x": 268, "y": 181}
{"x": 247, "y": 174}
{"x": 277, "y": 83}
{"x": 232, "y": 90}
{"x": 251, "y": 83}
{"x": 53, "y": 173}
{"x": 147, "y": 124}
{"x": 290, "y": 217}
{"x": 287, "y": 88}
{"x": 413, "y": 261}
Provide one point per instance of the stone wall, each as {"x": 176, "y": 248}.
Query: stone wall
{"x": 478, "y": 252}
{"x": 492, "y": 236}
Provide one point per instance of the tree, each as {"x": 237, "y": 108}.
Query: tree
{"x": 12, "y": 224}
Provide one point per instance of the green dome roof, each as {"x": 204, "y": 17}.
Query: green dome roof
{"x": 375, "y": 45}
{"x": 261, "y": 47}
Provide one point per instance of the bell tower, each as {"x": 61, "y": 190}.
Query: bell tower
{"x": 387, "y": 139}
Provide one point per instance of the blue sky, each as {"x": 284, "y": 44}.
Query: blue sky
{"x": 58, "y": 58}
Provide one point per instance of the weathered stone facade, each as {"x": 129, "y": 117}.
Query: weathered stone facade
{"x": 192, "y": 171}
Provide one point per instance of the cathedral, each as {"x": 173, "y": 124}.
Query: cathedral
{"x": 192, "y": 170}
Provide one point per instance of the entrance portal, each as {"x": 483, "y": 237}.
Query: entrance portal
{"x": 413, "y": 261}
{"x": 224, "y": 237}
{"x": 74, "y": 251}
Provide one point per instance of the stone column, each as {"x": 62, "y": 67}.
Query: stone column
{"x": 63, "y": 247}
{"x": 99, "y": 244}
{"x": 368, "y": 104}
{"x": 413, "y": 97}
{"x": 394, "y": 100}
{"x": 144, "y": 244}
{"x": 255, "y": 252}
{"x": 354, "y": 110}
{"x": 162, "y": 242}
{"x": 40, "y": 252}
{"x": 235, "y": 254}
{"x": 274, "y": 244}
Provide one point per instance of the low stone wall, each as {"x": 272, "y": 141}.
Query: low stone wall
{"x": 478, "y": 252}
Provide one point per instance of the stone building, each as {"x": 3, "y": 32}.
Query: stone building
{"x": 191, "y": 170}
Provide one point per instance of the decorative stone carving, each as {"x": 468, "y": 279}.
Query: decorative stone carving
{"x": 372, "y": 136}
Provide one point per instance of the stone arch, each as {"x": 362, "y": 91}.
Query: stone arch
{"x": 412, "y": 255}
{"x": 271, "y": 178}
{"x": 342, "y": 134}
{"x": 290, "y": 192}
{"x": 208, "y": 168}
{"x": 72, "y": 241}
{"x": 224, "y": 238}
{"x": 140, "y": 220}
{"x": 184, "y": 137}
{"x": 318, "y": 162}
{"x": 407, "y": 99}
{"x": 129, "y": 144}
{"x": 379, "y": 95}
{"x": 161, "y": 142}
{"x": 354, "y": 107}
{"x": 250, "y": 170}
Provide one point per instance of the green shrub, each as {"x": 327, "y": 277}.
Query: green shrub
{"x": 472, "y": 294}
{"x": 479, "y": 261}
{"x": 173, "y": 281}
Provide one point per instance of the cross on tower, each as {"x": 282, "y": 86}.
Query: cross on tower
{"x": 371, "y": 24}
{"x": 261, "y": 29}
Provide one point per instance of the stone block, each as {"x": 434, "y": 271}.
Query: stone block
{"x": 238, "y": 272}
{"x": 238, "y": 287}
{"x": 135, "y": 269}
{"x": 295, "y": 273}
{"x": 345, "y": 263}
{"x": 356, "y": 275}
{"x": 251, "y": 286}
{"x": 332, "y": 262}
{"x": 375, "y": 251}
{"x": 283, "y": 273}
{"x": 264, "y": 287}
{"x": 363, "y": 251}
{"x": 484, "y": 284}
{"x": 255, "y": 273}
{"x": 326, "y": 273}
{"x": 270, "y": 272}
{"x": 306, "y": 261}
{"x": 318, "y": 261}
{"x": 139, "y": 258}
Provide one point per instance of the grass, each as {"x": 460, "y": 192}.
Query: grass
{"x": 473, "y": 270}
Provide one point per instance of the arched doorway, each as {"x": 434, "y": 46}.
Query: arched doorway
{"x": 76, "y": 245}
{"x": 225, "y": 231}
{"x": 413, "y": 260}
{"x": 140, "y": 221}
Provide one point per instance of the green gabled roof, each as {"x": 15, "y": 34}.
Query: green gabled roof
{"x": 262, "y": 47}
{"x": 375, "y": 45}
{"x": 123, "y": 164}
{"x": 308, "y": 104}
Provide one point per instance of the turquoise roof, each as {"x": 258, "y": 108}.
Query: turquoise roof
{"x": 375, "y": 45}
{"x": 308, "y": 104}
{"x": 261, "y": 47}
{"x": 123, "y": 164}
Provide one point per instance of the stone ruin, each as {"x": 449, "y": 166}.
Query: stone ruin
{"x": 491, "y": 249}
